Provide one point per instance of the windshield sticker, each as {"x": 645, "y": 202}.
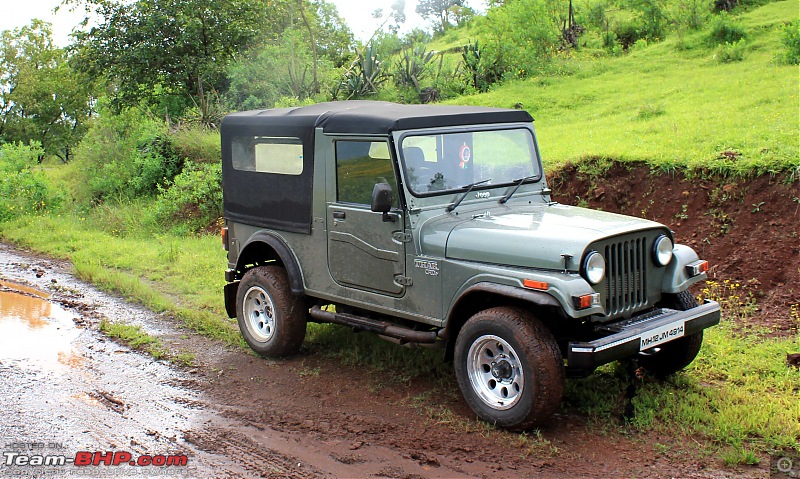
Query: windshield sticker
{"x": 465, "y": 154}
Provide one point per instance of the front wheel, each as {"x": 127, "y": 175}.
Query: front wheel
{"x": 272, "y": 320}
{"x": 509, "y": 368}
{"x": 679, "y": 353}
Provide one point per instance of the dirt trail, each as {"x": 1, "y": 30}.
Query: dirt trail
{"x": 235, "y": 415}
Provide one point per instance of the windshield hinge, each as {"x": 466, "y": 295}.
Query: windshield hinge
{"x": 401, "y": 237}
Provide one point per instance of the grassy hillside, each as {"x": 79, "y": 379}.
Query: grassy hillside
{"x": 672, "y": 103}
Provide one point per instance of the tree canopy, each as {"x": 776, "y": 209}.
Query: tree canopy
{"x": 167, "y": 50}
{"x": 42, "y": 99}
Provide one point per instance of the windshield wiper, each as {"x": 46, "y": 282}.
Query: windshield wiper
{"x": 461, "y": 198}
{"x": 519, "y": 183}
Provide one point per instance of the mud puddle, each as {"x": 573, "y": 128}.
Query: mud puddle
{"x": 67, "y": 391}
{"x": 34, "y": 333}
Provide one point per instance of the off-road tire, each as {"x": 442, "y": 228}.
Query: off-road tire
{"x": 675, "y": 355}
{"x": 535, "y": 355}
{"x": 271, "y": 319}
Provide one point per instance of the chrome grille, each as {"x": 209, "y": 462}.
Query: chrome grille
{"x": 626, "y": 276}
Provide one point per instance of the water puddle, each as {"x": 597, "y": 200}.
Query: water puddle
{"x": 35, "y": 333}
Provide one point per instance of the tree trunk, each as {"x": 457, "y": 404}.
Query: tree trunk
{"x": 315, "y": 83}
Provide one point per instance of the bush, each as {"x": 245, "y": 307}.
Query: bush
{"x": 723, "y": 30}
{"x": 510, "y": 48}
{"x": 791, "y": 44}
{"x": 627, "y": 34}
{"x": 199, "y": 145}
{"x": 23, "y": 189}
{"x": 194, "y": 200}
{"x": 125, "y": 155}
{"x": 730, "y": 52}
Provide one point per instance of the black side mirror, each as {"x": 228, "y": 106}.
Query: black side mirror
{"x": 382, "y": 200}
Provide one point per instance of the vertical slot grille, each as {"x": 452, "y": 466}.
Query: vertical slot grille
{"x": 626, "y": 275}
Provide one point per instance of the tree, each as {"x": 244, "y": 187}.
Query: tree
{"x": 160, "y": 51}
{"x": 42, "y": 98}
{"x": 438, "y": 11}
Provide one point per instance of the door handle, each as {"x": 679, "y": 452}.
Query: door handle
{"x": 339, "y": 215}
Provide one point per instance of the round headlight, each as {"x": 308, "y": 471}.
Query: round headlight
{"x": 594, "y": 267}
{"x": 662, "y": 250}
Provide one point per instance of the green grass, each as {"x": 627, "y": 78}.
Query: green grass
{"x": 135, "y": 337}
{"x": 181, "y": 276}
{"x": 671, "y": 104}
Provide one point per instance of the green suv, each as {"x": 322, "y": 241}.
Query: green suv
{"x": 433, "y": 226}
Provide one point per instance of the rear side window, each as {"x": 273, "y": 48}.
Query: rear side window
{"x": 261, "y": 154}
{"x": 359, "y": 166}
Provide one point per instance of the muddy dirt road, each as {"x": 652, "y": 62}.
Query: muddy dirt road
{"x": 66, "y": 390}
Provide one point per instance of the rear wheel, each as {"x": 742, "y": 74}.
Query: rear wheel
{"x": 674, "y": 355}
{"x": 272, "y": 320}
{"x": 509, "y": 368}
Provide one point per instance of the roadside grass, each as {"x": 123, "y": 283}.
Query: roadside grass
{"x": 671, "y": 104}
{"x": 137, "y": 338}
{"x": 180, "y": 276}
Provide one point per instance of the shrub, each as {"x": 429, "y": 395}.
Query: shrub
{"x": 195, "y": 198}
{"x": 125, "y": 155}
{"x": 627, "y": 34}
{"x": 723, "y": 30}
{"x": 23, "y": 189}
{"x": 199, "y": 145}
{"x": 513, "y": 48}
{"x": 730, "y": 52}
{"x": 791, "y": 44}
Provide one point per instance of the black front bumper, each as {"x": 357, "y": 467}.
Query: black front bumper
{"x": 628, "y": 338}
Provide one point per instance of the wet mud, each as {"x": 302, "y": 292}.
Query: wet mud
{"x": 65, "y": 388}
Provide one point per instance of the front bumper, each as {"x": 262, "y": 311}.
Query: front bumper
{"x": 652, "y": 329}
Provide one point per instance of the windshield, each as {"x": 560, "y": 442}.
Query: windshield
{"x": 444, "y": 162}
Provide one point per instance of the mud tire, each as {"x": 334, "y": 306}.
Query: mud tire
{"x": 675, "y": 355}
{"x": 271, "y": 319}
{"x": 513, "y": 343}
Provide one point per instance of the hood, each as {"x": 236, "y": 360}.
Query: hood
{"x": 532, "y": 236}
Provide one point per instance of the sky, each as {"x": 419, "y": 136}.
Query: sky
{"x": 357, "y": 14}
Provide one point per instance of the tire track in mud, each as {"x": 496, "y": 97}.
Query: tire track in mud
{"x": 253, "y": 458}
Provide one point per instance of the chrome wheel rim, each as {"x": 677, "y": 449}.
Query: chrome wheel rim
{"x": 259, "y": 312}
{"x": 495, "y": 372}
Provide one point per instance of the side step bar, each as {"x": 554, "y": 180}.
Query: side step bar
{"x": 382, "y": 328}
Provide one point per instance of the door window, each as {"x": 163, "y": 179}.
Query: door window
{"x": 359, "y": 166}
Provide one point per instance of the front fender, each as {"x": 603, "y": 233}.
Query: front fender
{"x": 676, "y": 277}
{"x": 509, "y": 283}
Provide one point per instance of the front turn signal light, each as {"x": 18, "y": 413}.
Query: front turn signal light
{"x": 586, "y": 301}
{"x": 697, "y": 268}
{"x": 531, "y": 284}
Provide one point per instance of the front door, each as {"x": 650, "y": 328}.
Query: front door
{"x": 364, "y": 251}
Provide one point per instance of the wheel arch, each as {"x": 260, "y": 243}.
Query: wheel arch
{"x": 264, "y": 247}
{"x": 487, "y": 295}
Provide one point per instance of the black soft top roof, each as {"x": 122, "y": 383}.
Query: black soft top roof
{"x": 374, "y": 117}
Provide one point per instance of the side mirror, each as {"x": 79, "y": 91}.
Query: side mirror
{"x": 382, "y": 200}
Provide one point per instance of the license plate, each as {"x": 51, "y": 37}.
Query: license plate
{"x": 661, "y": 335}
